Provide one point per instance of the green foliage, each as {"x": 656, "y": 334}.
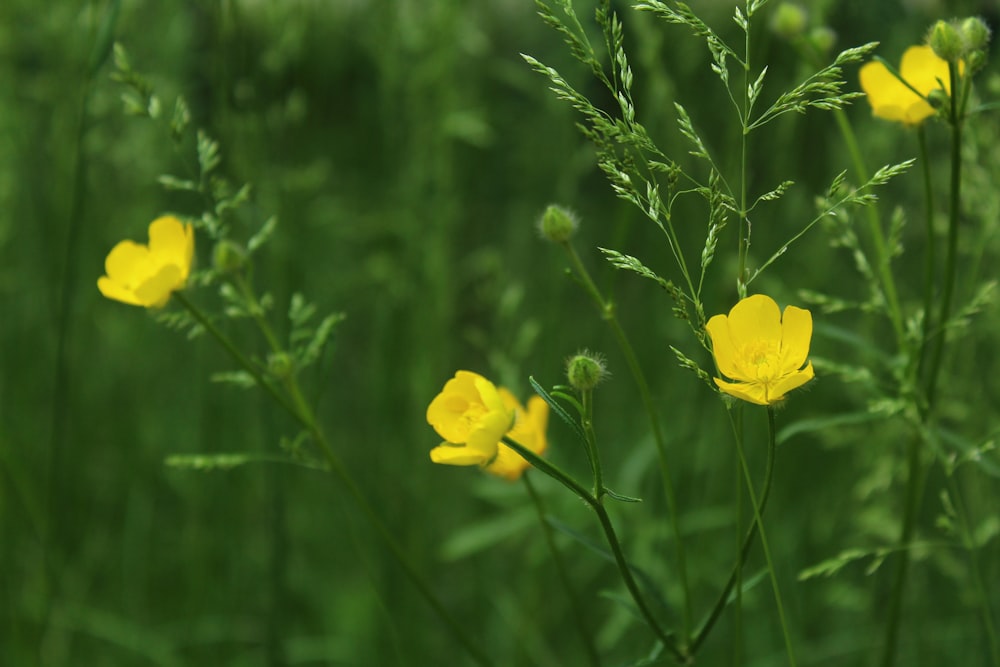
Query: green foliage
{"x": 398, "y": 157}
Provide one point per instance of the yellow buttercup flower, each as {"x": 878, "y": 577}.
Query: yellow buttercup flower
{"x": 143, "y": 275}
{"x": 471, "y": 416}
{"x": 529, "y": 430}
{"x": 761, "y": 350}
{"x": 891, "y": 99}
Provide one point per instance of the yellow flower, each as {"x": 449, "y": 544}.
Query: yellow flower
{"x": 891, "y": 99}
{"x": 529, "y": 430}
{"x": 146, "y": 275}
{"x": 761, "y": 350}
{"x": 471, "y": 416}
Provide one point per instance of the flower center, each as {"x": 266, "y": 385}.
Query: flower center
{"x": 760, "y": 359}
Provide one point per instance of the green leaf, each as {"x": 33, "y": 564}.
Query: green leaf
{"x": 558, "y": 409}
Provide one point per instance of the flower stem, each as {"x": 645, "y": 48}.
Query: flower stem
{"x": 914, "y": 494}
{"x": 757, "y": 510}
{"x": 744, "y": 551}
{"x": 952, "y": 248}
{"x": 611, "y": 536}
{"x": 969, "y": 542}
{"x": 300, "y": 410}
{"x": 609, "y": 315}
{"x": 928, "y": 251}
{"x": 581, "y": 623}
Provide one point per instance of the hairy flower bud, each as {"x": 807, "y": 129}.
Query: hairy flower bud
{"x": 585, "y": 370}
{"x": 558, "y": 224}
{"x": 946, "y": 41}
{"x": 975, "y": 33}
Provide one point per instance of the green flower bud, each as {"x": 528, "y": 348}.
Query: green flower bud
{"x": 558, "y": 224}
{"x": 228, "y": 256}
{"x": 585, "y": 370}
{"x": 975, "y": 60}
{"x": 789, "y": 20}
{"x": 937, "y": 98}
{"x": 975, "y": 33}
{"x": 823, "y": 38}
{"x": 946, "y": 41}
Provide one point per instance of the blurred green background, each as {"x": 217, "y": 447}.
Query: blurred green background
{"x": 407, "y": 151}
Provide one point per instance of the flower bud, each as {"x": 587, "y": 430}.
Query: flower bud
{"x": 558, "y": 224}
{"x": 975, "y": 33}
{"x": 789, "y": 20}
{"x": 585, "y": 370}
{"x": 946, "y": 41}
{"x": 228, "y": 256}
{"x": 823, "y": 38}
{"x": 937, "y": 98}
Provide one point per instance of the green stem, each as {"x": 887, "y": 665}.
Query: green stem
{"x": 952, "y": 249}
{"x": 299, "y": 409}
{"x": 757, "y": 509}
{"x": 608, "y": 314}
{"x": 914, "y": 494}
{"x": 587, "y": 397}
{"x": 977, "y": 578}
{"x": 744, "y": 550}
{"x": 581, "y": 623}
{"x": 928, "y": 251}
{"x": 610, "y": 535}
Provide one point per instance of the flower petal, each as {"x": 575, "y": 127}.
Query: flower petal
{"x": 924, "y": 70}
{"x": 755, "y": 318}
{"x": 446, "y": 411}
{"x": 790, "y": 382}
{"x": 487, "y": 432}
{"x": 754, "y": 392}
{"x": 155, "y": 291}
{"x": 723, "y": 348}
{"x": 508, "y": 464}
{"x": 172, "y": 242}
{"x": 128, "y": 264}
{"x": 112, "y": 290}
{"x": 456, "y": 456}
{"x": 796, "y": 332}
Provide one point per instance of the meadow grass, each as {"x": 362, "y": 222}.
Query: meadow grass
{"x": 158, "y": 507}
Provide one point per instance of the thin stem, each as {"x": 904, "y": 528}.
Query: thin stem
{"x": 581, "y": 623}
{"x": 979, "y": 585}
{"x": 928, "y": 250}
{"x": 611, "y": 536}
{"x": 608, "y": 315}
{"x": 952, "y": 249}
{"x": 757, "y": 508}
{"x": 744, "y": 550}
{"x": 299, "y": 409}
{"x": 914, "y": 494}
{"x": 587, "y": 398}
{"x": 744, "y": 224}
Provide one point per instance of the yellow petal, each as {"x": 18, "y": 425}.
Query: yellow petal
{"x": 112, "y": 290}
{"x": 172, "y": 242}
{"x": 723, "y": 348}
{"x": 796, "y": 332}
{"x": 446, "y": 411}
{"x": 447, "y": 454}
{"x": 508, "y": 464}
{"x": 155, "y": 291}
{"x": 753, "y": 392}
{"x": 487, "y": 432}
{"x": 128, "y": 264}
{"x": 923, "y": 70}
{"x": 790, "y": 382}
{"x": 755, "y": 318}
